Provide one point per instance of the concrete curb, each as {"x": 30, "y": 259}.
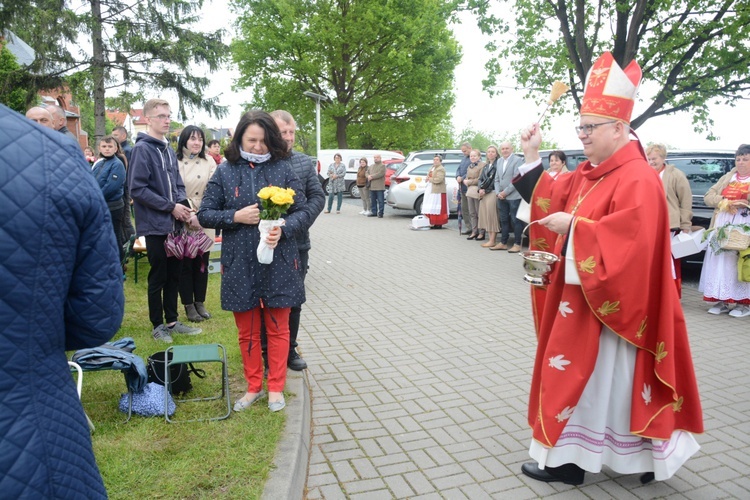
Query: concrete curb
{"x": 288, "y": 477}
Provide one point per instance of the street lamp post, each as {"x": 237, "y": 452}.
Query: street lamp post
{"x": 317, "y": 98}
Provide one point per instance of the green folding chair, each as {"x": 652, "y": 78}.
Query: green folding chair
{"x": 202, "y": 353}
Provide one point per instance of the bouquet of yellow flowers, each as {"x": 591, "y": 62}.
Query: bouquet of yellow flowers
{"x": 275, "y": 202}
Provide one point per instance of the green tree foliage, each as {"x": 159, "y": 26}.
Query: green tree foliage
{"x": 11, "y": 93}
{"x": 386, "y": 65}
{"x": 81, "y": 88}
{"x": 124, "y": 44}
{"x": 48, "y": 27}
{"x": 479, "y": 139}
{"x": 482, "y": 139}
{"x": 693, "y": 52}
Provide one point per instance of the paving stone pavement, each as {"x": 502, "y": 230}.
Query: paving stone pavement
{"x": 420, "y": 347}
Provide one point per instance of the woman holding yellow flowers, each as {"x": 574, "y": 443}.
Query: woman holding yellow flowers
{"x": 256, "y": 187}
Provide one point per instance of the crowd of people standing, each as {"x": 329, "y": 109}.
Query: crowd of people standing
{"x": 489, "y": 198}
{"x": 196, "y": 190}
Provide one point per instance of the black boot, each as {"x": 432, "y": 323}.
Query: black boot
{"x": 294, "y": 362}
{"x": 202, "y": 310}
{"x": 566, "y": 473}
{"x": 192, "y": 314}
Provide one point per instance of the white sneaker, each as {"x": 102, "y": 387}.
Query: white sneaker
{"x": 740, "y": 311}
{"x": 719, "y": 308}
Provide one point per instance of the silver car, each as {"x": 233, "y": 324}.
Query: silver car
{"x": 408, "y": 184}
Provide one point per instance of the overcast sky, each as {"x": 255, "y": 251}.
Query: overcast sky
{"x": 507, "y": 113}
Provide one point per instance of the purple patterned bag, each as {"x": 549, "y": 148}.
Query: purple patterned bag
{"x": 197, "y": 243}
{"x": 174, "y": 245}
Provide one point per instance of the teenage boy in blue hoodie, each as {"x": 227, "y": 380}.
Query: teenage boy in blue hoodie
{"x": 160, "y": 204}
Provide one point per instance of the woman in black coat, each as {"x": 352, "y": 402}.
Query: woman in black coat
{"x": 257, "y": 157}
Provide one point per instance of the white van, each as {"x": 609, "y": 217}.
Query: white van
{"x": 350, "y": 158}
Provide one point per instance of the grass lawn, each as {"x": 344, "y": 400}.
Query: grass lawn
{"x": 150, "y": 458}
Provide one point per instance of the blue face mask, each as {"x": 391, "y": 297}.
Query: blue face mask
{"x": 253, "y": 158}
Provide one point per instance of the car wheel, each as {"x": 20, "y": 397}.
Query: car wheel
{"x": 418, "y": 205}
{"x": 326, "y": 187}
{"x": 354, "y": 191}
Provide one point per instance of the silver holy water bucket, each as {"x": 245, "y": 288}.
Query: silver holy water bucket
{"x": 537, "y": 264}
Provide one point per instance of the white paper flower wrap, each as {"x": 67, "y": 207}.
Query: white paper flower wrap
{"x": 265, "y": 253}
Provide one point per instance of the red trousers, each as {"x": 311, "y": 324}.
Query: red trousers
{"x": 277, "y": 329}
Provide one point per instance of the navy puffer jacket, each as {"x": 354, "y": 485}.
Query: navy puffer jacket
{"x": 60, "y": 289}
{"x": 110, "y": 174}
{"x": 245, "y": 282}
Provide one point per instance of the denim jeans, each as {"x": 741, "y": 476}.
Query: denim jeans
{"x": 508, "y": 210}
{"x": 339, "y": 199}
{"x": 377, "y": 202}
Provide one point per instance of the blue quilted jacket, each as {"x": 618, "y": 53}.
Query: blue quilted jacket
{"x": 60, "y": 289}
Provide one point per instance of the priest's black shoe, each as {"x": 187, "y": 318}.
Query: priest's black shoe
{"x": 295, "y": 362}
{"x": 567, "y": 473}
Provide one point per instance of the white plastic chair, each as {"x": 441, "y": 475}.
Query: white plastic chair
{"x": 79, "y": 386}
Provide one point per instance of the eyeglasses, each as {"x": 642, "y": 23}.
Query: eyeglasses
{"x": 161, "y": 117}
{"x": 588, "y": 129}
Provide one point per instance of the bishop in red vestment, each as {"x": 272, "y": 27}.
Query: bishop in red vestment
{"x": 613, "y": 381}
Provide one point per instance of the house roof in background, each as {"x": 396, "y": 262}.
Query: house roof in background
{"x": 117, "y": 117}
{"x": 138, "y": 118}
{"x": 24, "y": 54}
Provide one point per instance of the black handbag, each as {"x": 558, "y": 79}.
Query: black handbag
{"x": 179, "y": 374}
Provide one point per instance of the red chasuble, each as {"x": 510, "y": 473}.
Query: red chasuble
{"x": 622, "y": 256}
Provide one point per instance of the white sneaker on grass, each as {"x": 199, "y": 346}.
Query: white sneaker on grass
{"x": 740, "y": 311}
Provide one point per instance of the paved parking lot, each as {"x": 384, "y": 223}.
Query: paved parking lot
{"x": 421, "y": 345}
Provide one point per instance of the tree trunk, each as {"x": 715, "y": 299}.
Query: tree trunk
{"x": 97, "y": 71}
{"x": 341, "y": 132}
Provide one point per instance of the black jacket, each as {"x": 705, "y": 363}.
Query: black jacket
{"x": 316, "y": 198}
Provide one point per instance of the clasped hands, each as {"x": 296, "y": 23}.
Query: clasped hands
{"x": 732, "y": 206}
{"x": 182, "y": 213}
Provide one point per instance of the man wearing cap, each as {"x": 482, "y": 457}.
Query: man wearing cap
{"x": 613, "y": 381}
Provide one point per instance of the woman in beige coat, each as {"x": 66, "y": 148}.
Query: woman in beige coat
{"x": 195, "y": 169}
{"x": 679, "y": 199}
{"x": 435, "y": 201}
{"x": 471, "y": 181}
{"x": 488, "y": 219}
